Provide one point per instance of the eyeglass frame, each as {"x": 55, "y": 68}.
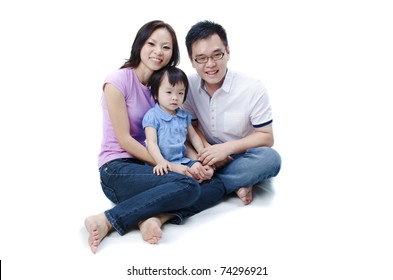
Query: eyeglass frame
{"x": 210, "y": 57}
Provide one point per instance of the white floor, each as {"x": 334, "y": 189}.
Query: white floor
{"x": 310, "y": 222}
{"x": 327, "y": 215}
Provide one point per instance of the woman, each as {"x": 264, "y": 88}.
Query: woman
{"x": 141, "y": 197}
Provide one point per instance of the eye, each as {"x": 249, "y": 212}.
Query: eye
{"x": 201, "y": 59}
{"x": 150, "y": 43}
{"x": 217, "y": 55}
{"x": 167, "y": 47}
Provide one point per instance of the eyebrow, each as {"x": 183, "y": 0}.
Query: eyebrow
{"x": 215, "y": 51}
{"x": 156, "y": 42}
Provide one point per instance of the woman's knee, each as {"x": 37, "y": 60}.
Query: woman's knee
{"x": 187, "y": 184}
{"x": 192, "y": 186}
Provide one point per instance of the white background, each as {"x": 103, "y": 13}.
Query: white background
{"x": 328, "y": 67}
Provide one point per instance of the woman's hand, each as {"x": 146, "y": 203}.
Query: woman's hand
{"x": 182, "y": 169}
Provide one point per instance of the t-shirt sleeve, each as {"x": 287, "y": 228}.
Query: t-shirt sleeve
{"x": 119, "y": 79}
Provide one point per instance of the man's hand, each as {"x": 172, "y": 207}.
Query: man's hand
{"x": 222, "y": 163}
{"x": 214, "y": 154}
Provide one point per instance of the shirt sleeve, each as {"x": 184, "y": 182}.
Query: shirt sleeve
{"x": 261, "y": 113}
{"x": 188, "y": 118}
{"x": 119, "y": 79}
{"x": 150, "y": 120}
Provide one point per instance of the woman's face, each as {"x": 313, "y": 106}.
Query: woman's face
{"x": 157, "y": 50}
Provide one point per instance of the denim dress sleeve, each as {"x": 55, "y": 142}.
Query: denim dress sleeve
{"x": 150, "y": 119}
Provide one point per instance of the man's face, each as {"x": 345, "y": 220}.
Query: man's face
{"x": 213, "y": 58}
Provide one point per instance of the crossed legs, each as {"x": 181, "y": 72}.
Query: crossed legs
{"x": 248, "y": 169}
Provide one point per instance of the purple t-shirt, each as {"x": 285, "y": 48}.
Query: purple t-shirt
{"x": 138, "y": 101}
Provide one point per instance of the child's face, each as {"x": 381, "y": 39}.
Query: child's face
{"x": 170, "y": 97}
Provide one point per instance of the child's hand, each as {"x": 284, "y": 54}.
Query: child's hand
{"x": 162, "y": 168}
{"x": 209, "y": 171}
{"x": 200, "y": 172}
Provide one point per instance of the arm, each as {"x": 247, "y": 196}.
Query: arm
{"x": 217, "y": 164}
{"x": 261, "y": 137}
{"x": 198, "y": 171}
{"x": 163, "y": 165}
{"x": 200, "y": 134}
{"x": 195, "y": 139}
{"x": 119, "y": 118}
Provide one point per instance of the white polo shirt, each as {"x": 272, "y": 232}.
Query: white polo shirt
{"x": 239, "y": 106}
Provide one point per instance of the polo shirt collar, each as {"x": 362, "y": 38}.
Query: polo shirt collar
{"x": 226, "y": 86}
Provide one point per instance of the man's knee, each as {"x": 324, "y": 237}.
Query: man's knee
{"x": 268, "y": 157}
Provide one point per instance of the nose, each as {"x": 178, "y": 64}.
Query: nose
{"x": 210, "y": 61}
{"x": 158, "y": 50}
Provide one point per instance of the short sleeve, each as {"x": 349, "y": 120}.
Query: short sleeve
{"x": 261, "y": 113}
{"x": 188, "y": 118}
{"x": 119, "y": 79}
{"x": 150, "y": 119}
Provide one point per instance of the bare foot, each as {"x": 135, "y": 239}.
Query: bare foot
{"x": 98, "y": 227}
{"x": 245, "y": 195}
{"x": 151, "y": 230}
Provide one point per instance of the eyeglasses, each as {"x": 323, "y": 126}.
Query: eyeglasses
{"x": 205, "y": 59}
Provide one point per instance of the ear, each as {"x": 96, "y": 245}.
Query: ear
{"x": 228, "y": 52}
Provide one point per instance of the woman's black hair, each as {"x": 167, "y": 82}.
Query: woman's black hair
{"x": 143, "y": 35}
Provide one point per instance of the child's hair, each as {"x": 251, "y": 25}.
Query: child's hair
{"x": 175, "y": 75}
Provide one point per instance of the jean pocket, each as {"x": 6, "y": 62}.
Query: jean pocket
{"x": 109, "y": 193}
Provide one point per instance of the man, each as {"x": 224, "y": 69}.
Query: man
{"x": 233, "y": 113}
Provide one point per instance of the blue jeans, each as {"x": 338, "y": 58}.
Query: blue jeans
{"x": 250, "y": 168}
{"x": 140, "y": 194}
{"x": 212, "y": 192}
